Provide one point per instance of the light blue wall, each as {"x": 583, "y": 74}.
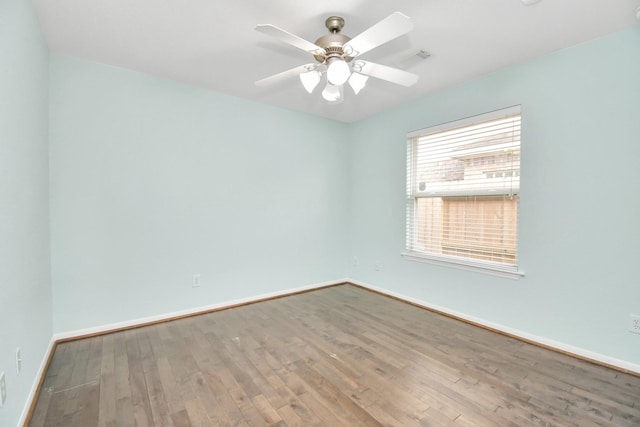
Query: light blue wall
{"x": 579, "y": 210}
{"x": 25, "y": 291}
{"x": 153, "y": 181}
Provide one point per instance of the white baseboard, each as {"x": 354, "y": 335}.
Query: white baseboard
{"x": 36, "y": 382}
{"x": 62, "y": 336}
{"x": 545, "y": 342}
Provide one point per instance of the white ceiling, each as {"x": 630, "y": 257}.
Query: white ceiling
{"x": 213, "y": 44}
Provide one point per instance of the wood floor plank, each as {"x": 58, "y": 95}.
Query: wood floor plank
{"x": 107, "y": 404}
{"x": 338, "y": 356}
{"x": 160, "y": 413}
{"x": 124, "y": 412}
{"x": 288, "y": 413}
{"x": 88, "y": 412}
{"x": 138, "y": 385}
{"x": 331, "y": 393}
{"x": 197, "y": 414}
{"x": 51, "y": 404}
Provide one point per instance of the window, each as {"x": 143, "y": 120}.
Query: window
{"x": 463, "y": 182}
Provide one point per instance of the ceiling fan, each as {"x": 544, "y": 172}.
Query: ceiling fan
{"x": 337, "y": 55}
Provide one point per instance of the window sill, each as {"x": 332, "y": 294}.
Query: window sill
{"x": 462, "y": 264}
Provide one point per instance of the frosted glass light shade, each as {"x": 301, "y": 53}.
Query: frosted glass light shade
{"x": 338, "y": 71}
{"x": 357, "y": 82}
{"x": 331, "y": 93}
{"x": 310, "y": 80}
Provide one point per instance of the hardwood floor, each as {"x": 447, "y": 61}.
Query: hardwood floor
{"x": 339, "y": 356}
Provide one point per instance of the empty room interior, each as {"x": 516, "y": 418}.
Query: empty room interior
{"x": 332, "y": 213}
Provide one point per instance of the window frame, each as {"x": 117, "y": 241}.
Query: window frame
{"x": 470, "y": 264}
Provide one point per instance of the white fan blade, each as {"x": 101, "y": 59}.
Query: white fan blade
{"x": 292, "y": 39}
{"x": 293, "y": 72}
{"x": 391, "y": 27}
{"x": 383, "y": 72}
{"x": 357, "y": 82}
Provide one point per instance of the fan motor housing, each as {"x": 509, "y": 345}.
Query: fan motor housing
{"x": 332, "y": 44}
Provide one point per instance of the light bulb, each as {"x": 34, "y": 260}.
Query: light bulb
{"x": 357, "y": 82}
{"x": 331, "y": 93}
{"x": 338, "y": 71}
{"x": 310, "y": 80}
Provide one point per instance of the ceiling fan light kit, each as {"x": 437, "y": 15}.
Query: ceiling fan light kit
{"x": 338, "y": 71}
{"x": 331, "y": 93}
{"x": 310, "y": 80}
{"x": 334, "y": 52}
{"x": 357, "y": 82}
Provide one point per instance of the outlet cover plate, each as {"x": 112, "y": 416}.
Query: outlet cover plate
{"x": 18, "y": 361}
{"x": 634, "y": 323}
{"x": 3, "y": 389}
{"x": 195, "y": 283}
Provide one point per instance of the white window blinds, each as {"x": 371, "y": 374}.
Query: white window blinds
{"x": 463, "y": 181}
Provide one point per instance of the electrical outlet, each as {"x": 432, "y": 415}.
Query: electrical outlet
{"x": 18, "y": 361}
{"x": 634, "y": 323}
{"x": 196, "y": 281}
{"x": 377, "y": 266}
{"x": 3, "y": 390}
{"x": 355, "y": 261}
